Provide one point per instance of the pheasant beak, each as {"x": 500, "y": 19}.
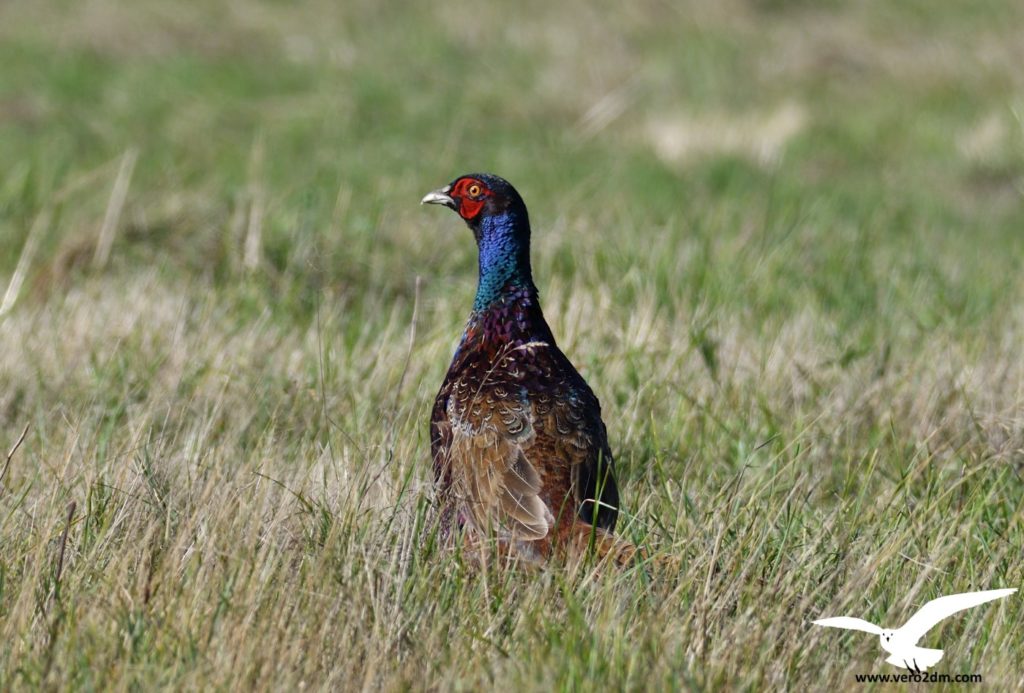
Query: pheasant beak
{"x": 439, "y": 197}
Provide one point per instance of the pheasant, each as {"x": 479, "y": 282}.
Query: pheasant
{"x": 520, "y": 452}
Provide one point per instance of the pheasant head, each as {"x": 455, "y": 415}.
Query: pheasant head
{"x": 496, "y": 214}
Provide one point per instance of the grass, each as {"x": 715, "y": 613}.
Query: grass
{"x": 781, "y": 240}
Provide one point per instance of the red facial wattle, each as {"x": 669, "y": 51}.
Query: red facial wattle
{"x": 469, "y": 208}
{"x": 471, "y": 195}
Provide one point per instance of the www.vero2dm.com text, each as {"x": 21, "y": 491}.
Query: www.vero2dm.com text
{"x": 914, "y": 677}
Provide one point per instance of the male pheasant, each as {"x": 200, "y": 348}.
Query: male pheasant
{"x": 519, "y": 449}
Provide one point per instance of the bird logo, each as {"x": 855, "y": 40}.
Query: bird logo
{"x": 901, "y": 643}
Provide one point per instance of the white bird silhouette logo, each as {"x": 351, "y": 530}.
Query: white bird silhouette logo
{"x": 901, "y": 643}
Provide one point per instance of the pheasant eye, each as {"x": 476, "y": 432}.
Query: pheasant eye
{"x": 474, "y": 190}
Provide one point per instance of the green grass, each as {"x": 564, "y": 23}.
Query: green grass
{"x": 782, "y": 241}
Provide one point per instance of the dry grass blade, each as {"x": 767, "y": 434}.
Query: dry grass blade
{"x": 412, "y": 338}
{"x": 115, "y": 205}
{"x": 58, "y": 573}
{"x": 254, "y": 230}
{"x": 10, "y": 454}
{"x": 28, "y": 251}
{"x": 72, "y": 506}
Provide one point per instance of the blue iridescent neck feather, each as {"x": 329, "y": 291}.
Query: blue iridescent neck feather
{"x": 504, "y": 257}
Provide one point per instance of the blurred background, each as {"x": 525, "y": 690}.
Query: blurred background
{"x": 831, "y": 130}
{"x": 781, "y": 239}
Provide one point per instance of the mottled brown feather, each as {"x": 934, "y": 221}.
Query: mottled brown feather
{"x": 514, "y": 439}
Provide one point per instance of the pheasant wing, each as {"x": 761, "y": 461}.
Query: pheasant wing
{"x": 574, "y": 439}
{"x": 492, "y": 476}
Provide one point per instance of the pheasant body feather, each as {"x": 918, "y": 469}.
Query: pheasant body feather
{"x": 519, "y": 449}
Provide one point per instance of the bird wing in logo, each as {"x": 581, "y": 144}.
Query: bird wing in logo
{"x": 938, "y": 609}
{"x": 849, "y": 623}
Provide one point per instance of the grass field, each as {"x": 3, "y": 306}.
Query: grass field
{"x": 782, "y": 240}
